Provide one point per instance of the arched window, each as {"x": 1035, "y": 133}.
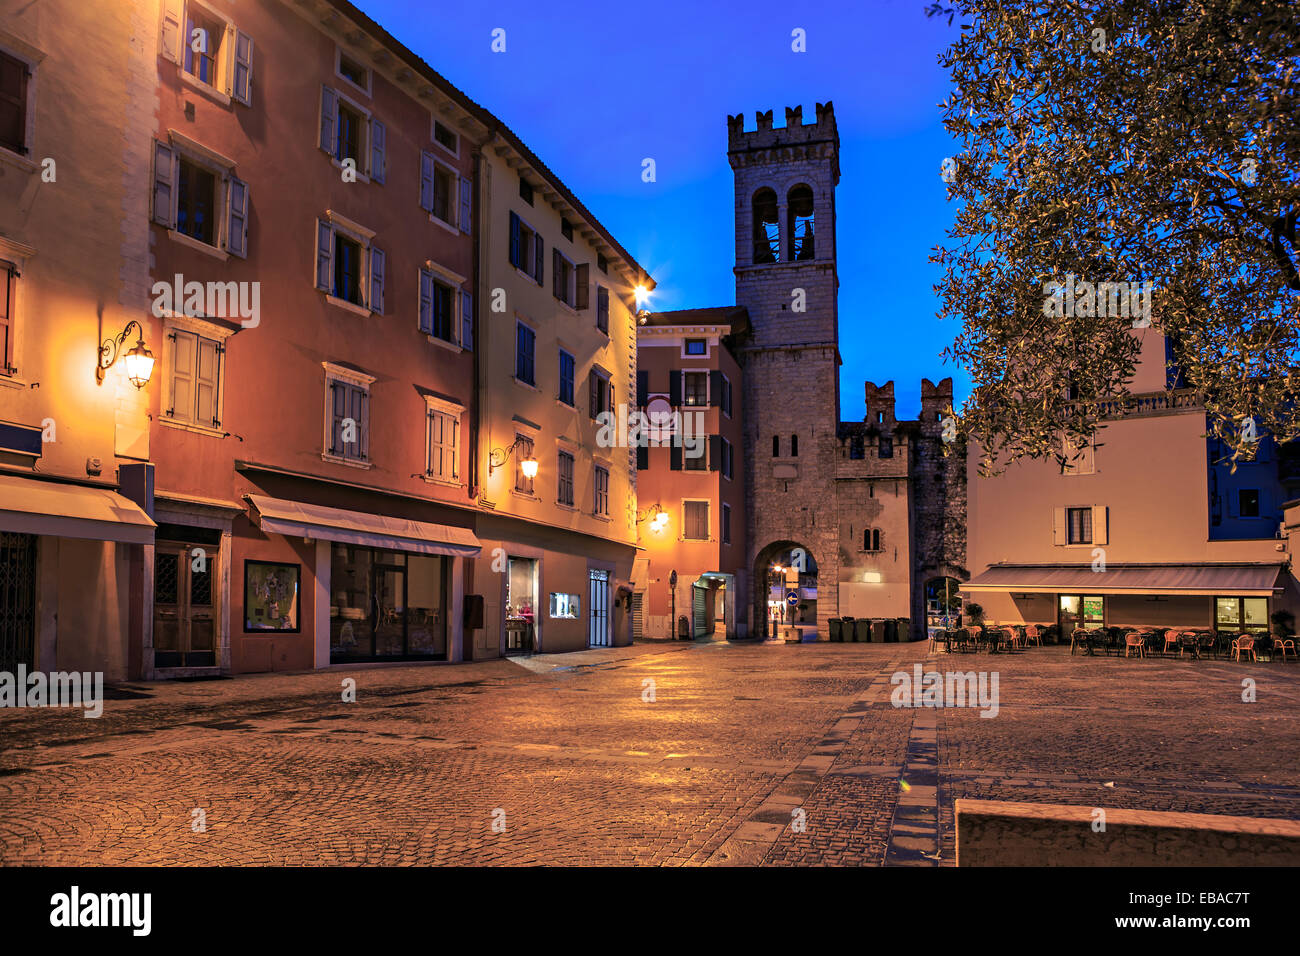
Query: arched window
{"x": 776, "y": 446}
{"x": 794, "y": 446}
{"x": 800, "y": 201}
{"x": 767, "y": 227}
{"x": 870, "y": 539}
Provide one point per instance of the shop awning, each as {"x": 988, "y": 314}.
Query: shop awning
{"x": 1251, "y": 580}
{"x": 31, "y": 506}
{"x": 299, "y": 519}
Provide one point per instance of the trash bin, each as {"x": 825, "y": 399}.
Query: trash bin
{"x": 891, "y": 630}
{"x": 837, "y": 633}
{"x": 877, "y": 632}
{"x": 904, "y": 629}
{"x": 862, "y": 630}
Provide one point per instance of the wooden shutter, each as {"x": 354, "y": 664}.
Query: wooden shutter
{"x": 237, "y": 217}
{"x": 1099, "y": 533}
{"x": 675, "y": 457}
{"x": 242, "y": 69}
{"x": 642, "y": 388}
{"x": 426, "y": 181}
{"x": 324, "y": 256}
{"x": 674, "y": 388}
{"x": 169, "y": 40}
{"x": 642, "y": 457}
{"x": 466, "y": 204}
{"x": 558, "y": 292}
{"x": 164, "y": 185}
{"x": 583, "y": 297}
{"x": 338, "y": 412}
{"x": 516, "y": 259}
{"x": 610, "y": 406}
{"x": 378, "y": 141}
{"x": 426, "y": 302}
{"x": 184, "y": 346}
{"x": 377, "y": 280}
{"x": 715, "y": 389}
{"x": 328, "y": 115}
{"x": 466, "y": 321}
{"x": 1059, "y": 531}
{"x": 540, "y": 261}
{"x": 207, "y": 382}
{"x": 363, "y": 421}
{"x": 593, "y": 390}
{"x": 715, "y": 453}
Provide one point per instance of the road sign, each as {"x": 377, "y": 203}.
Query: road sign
{"x": 792, "y": 598}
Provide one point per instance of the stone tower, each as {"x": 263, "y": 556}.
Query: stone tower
{"x": 786, "y": 278}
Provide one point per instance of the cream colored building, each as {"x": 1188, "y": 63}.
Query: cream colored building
{"x": 557, "y": 349}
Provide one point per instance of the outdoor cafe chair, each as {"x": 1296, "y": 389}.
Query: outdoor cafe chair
{"x": 1171, "y": 641}
{"x": 1079, "y": 638}
{"x": 1245, "y": 644}
{"x": 1135, "y": 639}
{"x": 1187, "y": 641}
{"x": 1207, "y": 643}
{"x": 1033, "y": 635}
{"x": 1283, "y": 646}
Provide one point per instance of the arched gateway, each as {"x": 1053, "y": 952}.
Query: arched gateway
{"x": 785, "y": 588}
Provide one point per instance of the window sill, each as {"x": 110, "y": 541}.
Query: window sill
{"x": 520, "y": 381}
{"x": 529, "y": 276}
{"x": 350, "y": 462}
{"x": 444, "y": 344}
{"x": 198, "y": 245}
{"x": 12, "y": 381}
{"x": 605, "y": 518}
{"x": 564, "y": 306}
{"x": 438, "y": 221}
{"x": 361, "y": 176}
{"x": 347, "y": 306}
{"x": 431, "y": 480}
{"x": 190, "y": 427}
{"x": 17, "y": 160}
{"x": 563, "y": 507}
{"x": 211, "y": 92}
{"x": 569, "y": 405}
{"x": 527, "y": 496}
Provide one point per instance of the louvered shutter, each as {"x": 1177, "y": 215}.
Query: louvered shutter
{"x": 169, "y": 39}
{"x": 426, "y": 181}
{"x": 1099, "y": 533}
{"x": 1059, "y": 532}
{"x": 675, "y": 457}
{"x": 324, "y": 256}
{"x": 242, "y": 73}
{"x": 715, "y": 389}
{"x": 674, "y": 388}
{"x": 338, "y": 412}
{"x": 377, "y": 280}
{"x": 583, "y": 299}
{"x": 237, "y": 217}
{"x": 164, "y": 185}
{"x": 642, "y": 457}
{"x": 516, "y": 259}
{"x": 363, "y": 422}
{"x": 466, "y": 204}
{"x": 206, "y": 382}
{"x": 642, "y": 388}
{"x": 467, "y": 321}
{"x": 555, "y": 275}
{"x": 715, "y": 453}
{"x": 378, "y": 141}
{"x": 426, "y": 303}
{"x": 593, "y": 392}
{"x": 328, "y": 115}
{"x": 182, "y": 379}
{"x": 540, "y": 261}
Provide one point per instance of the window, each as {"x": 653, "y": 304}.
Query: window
{"x": 566, "y": 378}
{"x": 601, "y": 506}
{"x": 1248, "y": 502}
{"x": 443, "y": 421}
{"x": 526, "y": 248}
{"x": 695, "y": 520}
{"x": 794, "y": 446}
{"x": 870, "y": 539}
{"x": 767, "y": 230}
{"x": 697, "y": 347}
{"x": 207, "y": 48}
{"x": 347, "y": 131}
{"x": 445, "y": 309}
{"x": 880, "y": 418}
{"x": 349, "y": 418}
{"x": 1079, "y": 525}
{"x": 1077, "y": 459}
{"x": 695, "y": 458}
{"x": 525, "y": 191}
{"x": 203, "y": 39}
{"x": 354, "y": 73}
{"x": 726, "y": 463}
{"x": 568, "y": 282}
{"x": 800, "y": 203}
{"x": 8, "y": 296}
{"x": 695, "y": 388}
{"x": 602, "y": 309}
{"x": 565, "y": 471}
{"x": 446, "y": 138}
{"x": 194, "y": 378}
{"x": 726, "y": 394}
{"x": 565, "y": 606}
{"x": 566, "y": 229}
{"x": 525, "y": 345}
{"x": 15, "y": 79}
{"x": 857, "y": 447}
{"x": 200, "y": 199}
{"x": 600, "y": 392}
{"x": 726, "y": 523}
{"x": 886, "y": 446}
{"x": 602, "y": 264}
{"x": 444, "y": 194}
{"x": 776, "y": 446}
{"x": 1237, "y": 615}
{"x": 523, "y": 449}
{"x": 349, "y": 267}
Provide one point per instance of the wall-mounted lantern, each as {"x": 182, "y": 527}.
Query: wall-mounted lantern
{"x": 139, "y": 360}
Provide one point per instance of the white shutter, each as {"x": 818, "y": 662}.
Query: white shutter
{"x": 1099, "y": 531}
{"x": 377, "y": 141}
{"x": 237, "y": 217}
{"x": 182, "y": 377}
{"x": 466, "y": 204}
{"x": 164, "y": 185}
{"x": 377, "y": 280}
{"x": 206, "y": 382}
{"x": 169, "y": 40}
{"x": 426, "y": 303}
{"x": 324, "y": 256}
{"x": 328, "y": 113}
{"x": 426, "y": 181}
{"x": 242, "y": 69}
{"x": 1059, "y": 535}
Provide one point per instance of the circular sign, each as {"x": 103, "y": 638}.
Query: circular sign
{"x": 792, "y": 598}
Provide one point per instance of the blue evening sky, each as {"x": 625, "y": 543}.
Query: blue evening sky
{"x": 594, "y": 88}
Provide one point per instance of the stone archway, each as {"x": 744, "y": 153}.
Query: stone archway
{"x": 779, "y": 568}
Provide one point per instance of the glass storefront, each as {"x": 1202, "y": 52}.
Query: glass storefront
{"x": 1086, "y": 611}
{"x": 387, "y": 604}
{"x": 521, "y": 604}
{"x": 1234, "y": 616}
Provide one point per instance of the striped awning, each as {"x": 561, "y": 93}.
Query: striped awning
{"x": 1247, "y": 580}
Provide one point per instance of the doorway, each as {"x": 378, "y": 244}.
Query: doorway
{"x": 17, "y": 600}
{"x": 184, "y": 608}
{"x": 598, "y": 633}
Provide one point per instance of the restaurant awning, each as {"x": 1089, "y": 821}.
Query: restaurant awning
{"x": 1251, "y": 580}
{"x": 31, "y": 506}
{"x": 300, "y": 519}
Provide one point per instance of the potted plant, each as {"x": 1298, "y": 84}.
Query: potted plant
{"x": 975, "y": 615}
{"x": 1283, "y": 626}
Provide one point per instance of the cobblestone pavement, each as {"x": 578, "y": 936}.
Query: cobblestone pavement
{"x": 776, "y": 754}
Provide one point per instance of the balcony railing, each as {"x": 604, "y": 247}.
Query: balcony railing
{"x": 1150, "y": 404}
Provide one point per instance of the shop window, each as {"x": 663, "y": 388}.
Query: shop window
{"x": 387, "y": 604}
{"x": 565, "y": 606}
{"x": 1237, "y": 615}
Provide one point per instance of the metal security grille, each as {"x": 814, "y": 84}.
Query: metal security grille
{"x": 17, "y": 600}
{"x": 638, "y": 616}
{"x": 599, "y": 635}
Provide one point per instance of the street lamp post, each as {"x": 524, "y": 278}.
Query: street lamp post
{"x": 672, "y": 617}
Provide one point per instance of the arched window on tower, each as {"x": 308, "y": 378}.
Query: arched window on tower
{"x": 800, "y": 202}
{"x": 776, "y": 446}
{"x": 767, "y": 227}
{"x": 870, "y": 539}
{"x": 794, "y": 446}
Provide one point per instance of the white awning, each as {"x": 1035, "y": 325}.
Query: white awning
{"x": 31, "y": 506}
{"x": 1187, "y": 579}
{"x": 298, "y": 519}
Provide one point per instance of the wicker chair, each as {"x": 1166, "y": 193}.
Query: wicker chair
{"x": 1135, "y": 639}
{"x": 1171, "y": 642}
{"x": 1033, "y": 635}
{"x": 1283, "y": 646}
{"x": 1079, "y": 638}
{"x": 1245, "y": 644}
